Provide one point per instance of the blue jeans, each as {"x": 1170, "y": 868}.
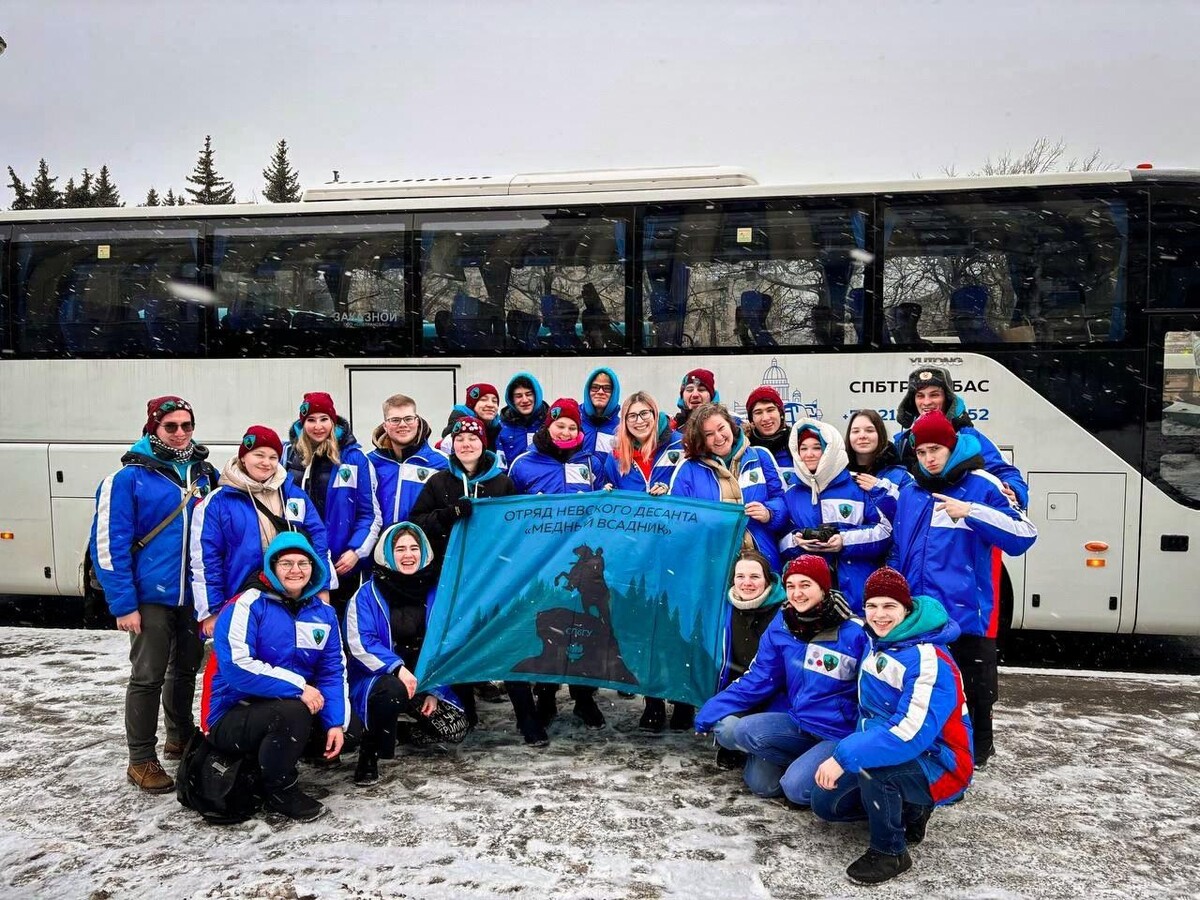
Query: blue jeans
{"x": 782, "y": 758}
{"x": 888, "y": 798}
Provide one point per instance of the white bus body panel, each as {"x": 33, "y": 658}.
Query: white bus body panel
{"x": 1173, "y": 603}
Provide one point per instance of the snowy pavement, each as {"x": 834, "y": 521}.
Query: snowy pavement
{"x": 1095, "y": 793}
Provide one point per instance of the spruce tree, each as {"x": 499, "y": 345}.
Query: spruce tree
{"x": 105, "y": 193}
{"x": 74, "y": 197}
{"x": 210, "y": 188}
{"x": 43, "y": 193}
{"x": 22, "y": 199}
{"x": 283, "y": 182}
{"x": 152, "y": 198}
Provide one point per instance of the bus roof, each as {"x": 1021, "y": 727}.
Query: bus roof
{"x": 629, "y": 186}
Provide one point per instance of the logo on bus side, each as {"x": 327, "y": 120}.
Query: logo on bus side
{"x": 795, "y": 407}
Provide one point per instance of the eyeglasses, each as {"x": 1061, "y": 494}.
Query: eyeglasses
{"x": 644, "y": 416}
{"x": 400, "y": 420}
{"x": 288, "y": 564}
{"x": 172, "y": 427}
{"x": 601, "y": 389}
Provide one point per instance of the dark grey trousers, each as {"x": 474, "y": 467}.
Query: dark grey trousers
{"x": 164, "y": 659}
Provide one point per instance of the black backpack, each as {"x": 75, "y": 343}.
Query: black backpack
{"x": 224, "y": 788}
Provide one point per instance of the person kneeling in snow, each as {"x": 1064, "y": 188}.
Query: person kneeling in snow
{"x": 279, "y": 665}
{"x": 912, "y": 749}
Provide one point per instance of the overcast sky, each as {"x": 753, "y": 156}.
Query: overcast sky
{"x": 796, "y": 92}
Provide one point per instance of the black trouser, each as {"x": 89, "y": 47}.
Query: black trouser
{"x": 976, "y": 659}
{"x": 164, "y": 659}
{"x": 276, "y": 732}
{"x": 520, "y": 693}
{"x": 340, "y": 596}
{"x": 387, "y": 701}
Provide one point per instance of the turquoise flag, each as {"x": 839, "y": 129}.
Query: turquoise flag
{"x": 611, "y": 589}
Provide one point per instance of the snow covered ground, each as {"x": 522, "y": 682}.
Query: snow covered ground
{"x": 1095, "y": 793}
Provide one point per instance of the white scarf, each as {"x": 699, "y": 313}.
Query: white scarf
{"x": 833, "y": 460}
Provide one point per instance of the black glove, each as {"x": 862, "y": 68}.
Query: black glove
{"x": 462, "y": 508}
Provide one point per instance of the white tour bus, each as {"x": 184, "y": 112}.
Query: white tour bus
{"x": 1067, "y": 307}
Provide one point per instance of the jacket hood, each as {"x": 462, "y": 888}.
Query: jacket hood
{"x": 294, "y": 542}
{"x": 385, "y": 554}
{"x": 341, "y": 430}
{"x": 489, "y": 468}
{"x": 380, "y": 440}
{"x": 906, "y": 412}
{"x": 928, "y": 623}
{"x": 833, "y": 459}
{"x": 538, "y": 398}
{"x": 966, "y": 456}
{"x": 614, "y": 401}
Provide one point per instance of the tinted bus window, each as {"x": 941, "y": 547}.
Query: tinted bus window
{"x": 524, "y": 280}
{"x": 753, "y": 275}
{"x": 963, "y": 271}
{"x": 1175, "y": 247}
{"x": 116, "y": 289}
{"x": 5, "y": 307}
{"x": 1173, "y": 437}
{"x": 320, "y": 286}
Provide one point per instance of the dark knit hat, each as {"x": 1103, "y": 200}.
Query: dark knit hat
{"x": 476, "y": 392}
{"x": 930, "y": 376}
{"x": 317, "y": 403}
{"x": 934, "y": 428}
{"x": 763, "y": 394}
{"x": 159, "y": 407}
{"x": 468, "y": 425}
{"x": 810, "y": 566}
{"x": 887, "y": 582}
{"x": 702, "y": 377}
{"x": 257, "y": 436}
{"x": 564, "y": 408}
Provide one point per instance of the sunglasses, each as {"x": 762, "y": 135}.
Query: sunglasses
{"x": 601, "y": 389}
{"x": 172, "y": 427}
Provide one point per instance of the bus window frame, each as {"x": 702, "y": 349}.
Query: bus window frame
{"x": 6, "y": 330}
{"x": 863, "y": 203}
{"x": 617, "y": 212}
{"x": 1156, "y": 444}
{"x": 1137, "y": 201}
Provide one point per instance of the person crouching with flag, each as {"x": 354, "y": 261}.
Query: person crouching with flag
{"x": 912, "y": 748}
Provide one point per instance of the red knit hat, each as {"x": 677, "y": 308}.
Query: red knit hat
{"x": 317, "y": 403}
{"x": 887, "y": 582}
{"x": 810, "y": 566}
{"x": 763, "y": 394}
{"x": 164, "y": 406}
{"x": 934, "y": 428}
{"x": 476, "y": 392}
{"x": 702, "y": 377}
{"x": 564, "y": 408}
{"x": 468, "y": 425}
{"x": 257, "y": 436}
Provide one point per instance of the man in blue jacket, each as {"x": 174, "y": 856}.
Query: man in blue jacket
{"x": 139, "y": 552}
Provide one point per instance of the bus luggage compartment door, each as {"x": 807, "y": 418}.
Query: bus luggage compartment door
{"x": 1073, "y": 571}
{"x": 26, "y": 539}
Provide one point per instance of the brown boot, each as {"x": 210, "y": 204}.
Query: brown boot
{"x": 150, "y": 777}
{"x": 173, "y": 749}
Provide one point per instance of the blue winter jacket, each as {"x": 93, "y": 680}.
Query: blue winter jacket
{"x": 950, "y": 559}
{"x": 352, "y": 518}
{"x": 600, "y": 426}
{"x": 668, "y": 453}
{"x": 759, "y": 480}
{"x": 537, "y": 472}
{"x": 819, "y": 675}
{"x": 993, "y": 462}
{"x": 516, "y": 430}
{"x": 226, "y": 544}
{"x": 130, "y": 503}
{"x": 866, "y": 532}
{"x": 267, "y": 647}
{"x": 398, "y": 482}
{"x": 912, "y": 706}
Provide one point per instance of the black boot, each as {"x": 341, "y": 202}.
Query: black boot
{"x": 654, "y": 716}
{"x": 586, "y": 709}
{"x": 730, "y": 759}
{"x": 547, "y": 704}
{"x": 491, "y": 691}
{"x": 874, "y": 867}
{"x": 683, "y": 717}
{"x": 914, "y": 828}
{"x": 295, "y": 804}
{"x": 533, "y": 732}
{"x": 367, "y": 770}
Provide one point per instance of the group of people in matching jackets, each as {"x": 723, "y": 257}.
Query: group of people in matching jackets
{"x": 860, "y": 665}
